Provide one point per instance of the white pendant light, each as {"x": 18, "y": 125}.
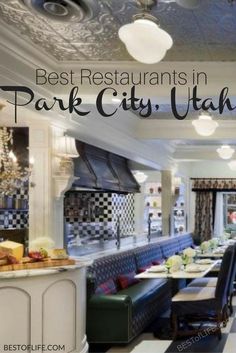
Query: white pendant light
{"x": 189, "y": 4}
{"x": 204, "y": 125}
{"x": 232, "y": 164}
{"x": 145, "y": 41}
{"x": 140, "y": 177}
{"x": 225, "y": 152}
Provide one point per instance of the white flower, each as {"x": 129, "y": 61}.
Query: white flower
{"x": 189, "y": 252}
{"x": 205, "y": 245}
{"x": 174, "y": 262}
{"x": 41, "y": 242}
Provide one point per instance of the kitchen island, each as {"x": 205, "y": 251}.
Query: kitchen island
{"x": 42, "y": 308}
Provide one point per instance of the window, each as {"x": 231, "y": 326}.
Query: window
{"x": 229, "y": 200}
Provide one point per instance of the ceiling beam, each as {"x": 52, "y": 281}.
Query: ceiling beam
{"x": 150, "y": 129}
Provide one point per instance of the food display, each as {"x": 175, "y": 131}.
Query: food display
{"x": 12, "y": 248}
{"x": 58, "y": 254}
{"x": 11, "y": 257}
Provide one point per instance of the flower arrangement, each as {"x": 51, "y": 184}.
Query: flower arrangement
{"x": 187, "y": 256}
{"x": 227, "y": 234}
{"x": 189, "y": 252}
{"x": 41, "y": 242}
{"x": 174, "y": 263}
{"x": 213, "y": 243}
{"x": 205, "y": 245}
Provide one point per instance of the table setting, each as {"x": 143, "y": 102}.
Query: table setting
{"x": 185, "y": 266}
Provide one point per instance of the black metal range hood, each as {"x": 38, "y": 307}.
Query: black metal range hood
{"x": 102, "y": 171}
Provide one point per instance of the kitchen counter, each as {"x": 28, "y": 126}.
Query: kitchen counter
{"x": 44, "y": 307}
{"x": 44, "y": 271}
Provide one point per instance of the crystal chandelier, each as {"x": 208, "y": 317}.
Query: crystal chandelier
{"x": 12, "y": 175}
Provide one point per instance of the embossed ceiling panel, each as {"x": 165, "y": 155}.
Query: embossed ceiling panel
{"x": 203, "y": 34}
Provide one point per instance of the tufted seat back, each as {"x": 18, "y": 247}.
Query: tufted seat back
{"x": 112, "y": 266}
{"x": 169, "y": 247}
{"x": 185, "y": 241}
{"x": 145, "y": 255}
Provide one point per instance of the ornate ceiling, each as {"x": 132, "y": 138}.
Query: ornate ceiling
{"x": 204, "y": 34}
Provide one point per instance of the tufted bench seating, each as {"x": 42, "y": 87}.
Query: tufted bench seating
{"x": 147, "y": 255}
{"x": 119, "y": 317}
{"x": 170, "y": 247}
{"x": 185, "y": 241}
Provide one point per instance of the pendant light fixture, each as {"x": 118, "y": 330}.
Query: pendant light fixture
{"x": 225, "y": 152}
{"x": 204, "y": 125}
{"x": 140, "y": 176}
{"x": 232, "y": 165}
{"x": 145, "y": 41}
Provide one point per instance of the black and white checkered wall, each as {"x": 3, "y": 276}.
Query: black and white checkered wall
{"x": 123, "y": 205}
{"x": 14, "y": 210}
{"x": 95, "y": 214}
{"x": 14, "y": 219}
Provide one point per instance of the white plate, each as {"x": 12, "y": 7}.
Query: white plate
{"x": 219, "y": 251}
{"x": 204, "y": 262}
{"x": 158, "y": 268}
{"x": 194, "y": 269}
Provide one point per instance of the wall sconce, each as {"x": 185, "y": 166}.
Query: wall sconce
{"x": 66, "y": 150}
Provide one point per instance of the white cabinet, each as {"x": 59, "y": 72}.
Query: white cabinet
{"x": 47, "y": 309}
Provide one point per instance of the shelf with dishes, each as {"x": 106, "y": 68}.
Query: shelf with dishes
{"x": 152, "y": 206}
{"x": 179, "y": 214}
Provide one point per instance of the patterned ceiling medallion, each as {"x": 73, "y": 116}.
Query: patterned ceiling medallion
{"x": 64, "y": 10}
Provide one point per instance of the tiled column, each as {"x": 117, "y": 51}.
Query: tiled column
{"x": 166, "y": 202}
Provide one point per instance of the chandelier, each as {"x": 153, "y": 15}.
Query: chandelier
{"x": 12, "y": 176}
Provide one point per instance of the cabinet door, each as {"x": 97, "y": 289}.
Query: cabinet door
{"x": 15, "y": 323}
{"x": 59, "y": 315}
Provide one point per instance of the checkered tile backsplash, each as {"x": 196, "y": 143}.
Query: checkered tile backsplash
{"x": 14, "y": 219}
{"x": 10, "y": 216}
{"x": 95, "y": 214}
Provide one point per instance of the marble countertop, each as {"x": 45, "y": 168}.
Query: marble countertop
{"x": 45, "y": 271}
